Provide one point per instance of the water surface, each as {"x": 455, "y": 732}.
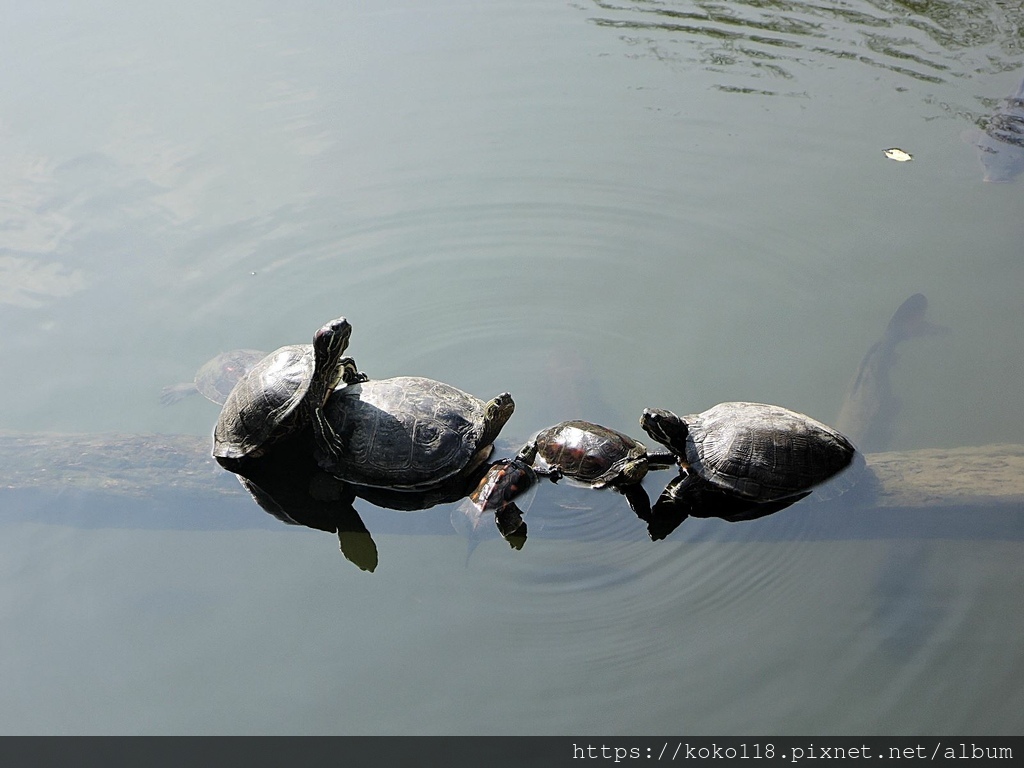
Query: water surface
{"x": 597, "y": 206}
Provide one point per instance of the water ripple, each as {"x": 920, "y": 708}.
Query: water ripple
{"x": 756, "y": 39}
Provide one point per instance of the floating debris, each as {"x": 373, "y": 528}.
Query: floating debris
{"x": 897, "y": 154}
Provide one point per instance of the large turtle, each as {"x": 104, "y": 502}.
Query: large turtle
{"x": 762, "y": 453}
{"x": 216, "y": 377}
{"x": 283, "y": 392}
{"x": 408, "y": 433}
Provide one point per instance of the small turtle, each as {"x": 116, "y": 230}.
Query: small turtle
{"x": 283, "y": 392}
{"x": 586, "y": 453}
{"x": 762, "y": 453}
{"x": 216, "y": 378}
{"x": 591, "y": 454}
{"x": 408, "y": 433}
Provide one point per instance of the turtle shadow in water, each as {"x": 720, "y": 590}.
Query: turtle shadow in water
{"x": 700, "y": 500}
{"x": 564, "y": 509}
{"x": 288, "y": 483}
{"x": 854, "y": 487}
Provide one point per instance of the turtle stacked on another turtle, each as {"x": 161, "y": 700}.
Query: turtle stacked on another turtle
{"x": 405, "y": 442}
{"x": 412, "y": 435}
{"x": 285, "y": 391}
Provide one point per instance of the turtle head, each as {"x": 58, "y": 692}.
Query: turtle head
{"x": 329, "y": 344}
{"x": 497, "y": 412}
{"x": 665, "y": 427}
{"x": 333, "y": 337}
{"x": 500, "y": 409}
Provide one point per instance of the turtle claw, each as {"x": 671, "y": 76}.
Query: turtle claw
{"x": 350, "y": 374}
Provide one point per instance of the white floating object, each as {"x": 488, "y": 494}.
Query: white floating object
{"x": 897, "y": 154}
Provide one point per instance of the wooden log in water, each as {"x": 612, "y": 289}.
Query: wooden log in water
{"x": 113, "y": 465}
{"x": 161, "y": 480}
{"x": 142, "y": 465}
{"x": 985, "y": 476}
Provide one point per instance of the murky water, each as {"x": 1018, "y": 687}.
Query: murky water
{"x": 597, "y": 206}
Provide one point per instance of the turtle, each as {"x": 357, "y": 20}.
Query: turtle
{"x": 586, "y": 453}
{"x": 216, "y": 377}
{"x": 408, "y": 433}
{"x": 590, "y": 454}
{"x": 283, "y": 392}
{"x": 505, "y": 491}
{"x": 751, "y": 451}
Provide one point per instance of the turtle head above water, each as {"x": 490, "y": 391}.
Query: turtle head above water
{"x": 665, "y": 427}
{"x": 333, "y": 337}
{"x": 329, "y": 344}
{"x": 501, "y": 408}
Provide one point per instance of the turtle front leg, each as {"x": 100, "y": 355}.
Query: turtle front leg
{"x": 528, "y": 454}
{"x": 327, "y": 440}
{"x": 661, "y": 460}
{"x": 552, "y": 472}
{"x": 350, "y": 374}
{"x": 677, "y": 488}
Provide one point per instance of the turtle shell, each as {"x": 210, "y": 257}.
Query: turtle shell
{"x": 260, "y": 407}
{"x": 405, "y": 433}
{"x": 763, "y": 452}
{"x": 217, "y": 377}
{"x": 587, "y": 452}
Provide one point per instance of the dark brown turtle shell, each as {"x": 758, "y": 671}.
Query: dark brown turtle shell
{"x": 281, "y": 393}
{"x": 263, "y": 403}
{"x": 588, "y": 453}
{"x": 409, "y": 432}
{"x": 763, "y": 452}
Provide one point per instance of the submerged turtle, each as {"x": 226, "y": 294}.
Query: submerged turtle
{"x": 763, "y": 453}
{"x": 284, "y": 391}
{"x": 408, "y": 433}
{"x": 216, "y": 378}
{"x": 505, "y": 491}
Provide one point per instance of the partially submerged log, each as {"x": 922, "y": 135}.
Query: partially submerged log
{"x": 113, "y": 465}
{"x": 985, "y": 476}
{"x": 161, "y": 480}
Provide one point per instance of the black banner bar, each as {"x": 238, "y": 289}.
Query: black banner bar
{"x": 497, "y": 752}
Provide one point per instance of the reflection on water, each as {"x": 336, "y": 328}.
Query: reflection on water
{"x": 597, "y": 206}
{"x": 770, "y": 41}
{"x": 1000, "y": 142}
{"x": 909, "y": 604}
